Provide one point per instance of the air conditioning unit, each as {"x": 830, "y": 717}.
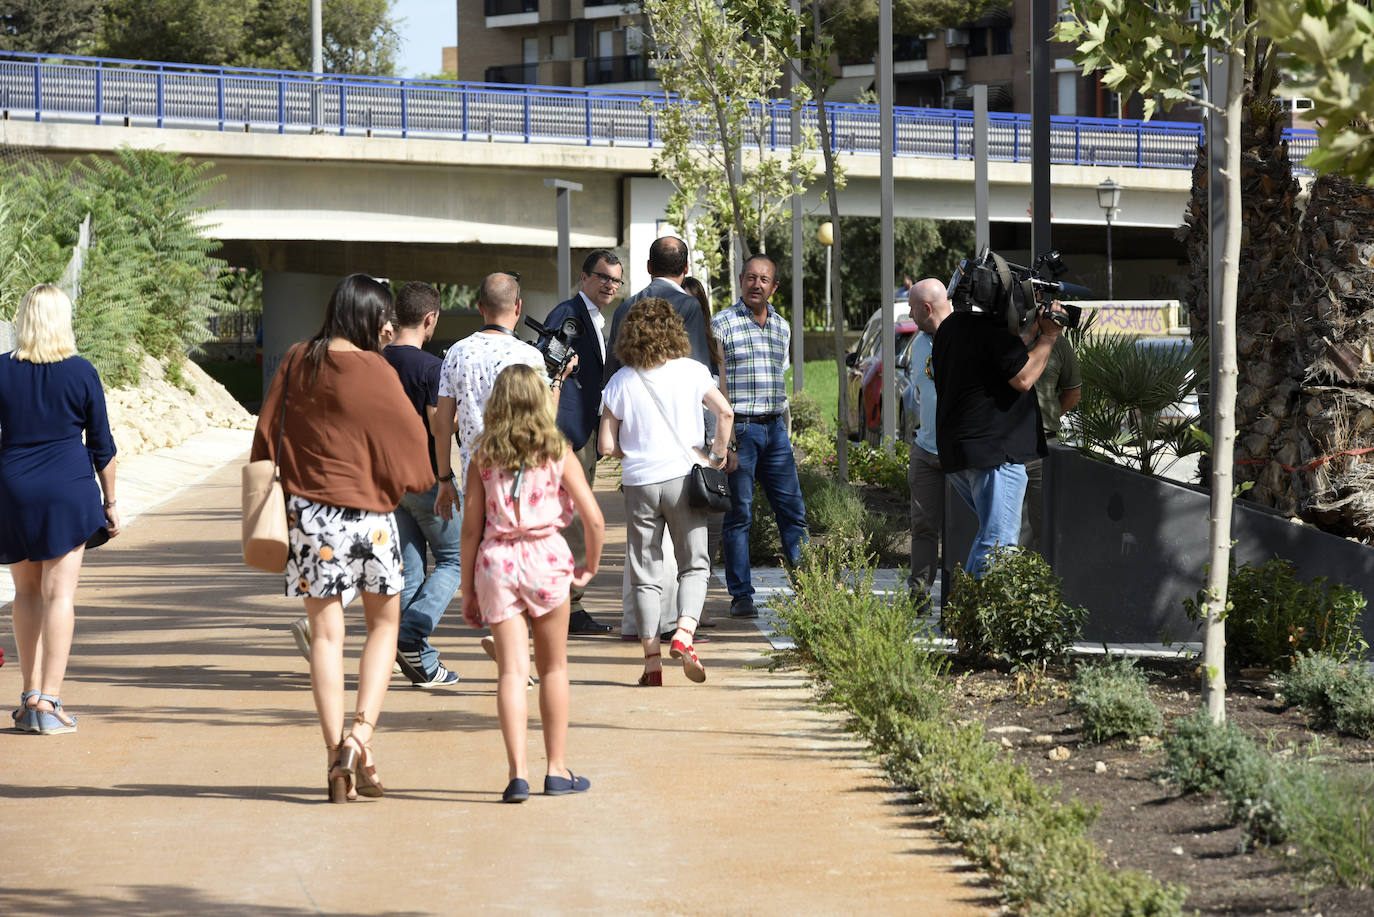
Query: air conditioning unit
{"x": 956, "y": 38}
{"x": 1298, "y": 104}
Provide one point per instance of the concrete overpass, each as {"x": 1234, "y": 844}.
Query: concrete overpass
{"x": 453, "y": 201}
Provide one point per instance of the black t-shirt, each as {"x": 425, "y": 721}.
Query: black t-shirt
{"x": 981, "y": 421}
{"x": 419, "y": 372}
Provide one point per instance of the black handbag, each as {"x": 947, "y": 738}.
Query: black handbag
{"x": 707, "y": 488}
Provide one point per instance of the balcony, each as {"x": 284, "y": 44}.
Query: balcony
{"x": 601, "y": 9}
{"x": 501, "y": 13}
{"x": 908, "y": 56}
{"x": 523, "y": 74}
{"x": 625, "y": 68}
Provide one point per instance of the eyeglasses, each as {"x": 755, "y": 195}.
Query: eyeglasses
{"x": 607, "y": 279}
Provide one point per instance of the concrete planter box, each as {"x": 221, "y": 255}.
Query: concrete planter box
{"x": 1130, "y": 548}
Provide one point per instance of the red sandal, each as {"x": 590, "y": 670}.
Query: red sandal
{"x": 691, "y": 665}
{"x": 651, "y": 679}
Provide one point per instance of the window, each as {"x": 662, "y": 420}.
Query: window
{"x": 531, "y": 50}
{"x": 1001, "y": 40}
{"x": 562, "y": 47}
{"x": 977, "y": 42}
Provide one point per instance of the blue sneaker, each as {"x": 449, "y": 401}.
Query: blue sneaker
{"x": 439, "y": 678}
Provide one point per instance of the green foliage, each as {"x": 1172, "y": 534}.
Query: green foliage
{"x": 716, "y": 85}
{"x": 854, "y": 23}
{"x": 1200, "y": 754}
{"x": 1333, "y": 694}
{"x": 1114, "y": 700}
{"x": 921, "y": 248}
{"x": 1014, "y": 613}
{"x": 1158, "y": 49}
{"x": 879, "y": 465}
{"x": 1332, "y": 829}
{"x": 359, "y": 35}
{"x": 870, "y": 656}
{"x": 1273, "y": 616}
{"x": 1329, "y": 48}
{"x": 807, "y": 414}
{"x": 148, "y": 282}
{"x": 50, "y": 26}
{"x": 1127, "y": 392}
{"x": 839, "y": 513}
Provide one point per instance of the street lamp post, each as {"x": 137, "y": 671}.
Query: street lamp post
{"x": 826, "y": 236}
{"x": 1108, "y": 197}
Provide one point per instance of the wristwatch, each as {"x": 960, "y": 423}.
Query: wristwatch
{"x": 713, "y": 458}
{"x": 447, "y": 477}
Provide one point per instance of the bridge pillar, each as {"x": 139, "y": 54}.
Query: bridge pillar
{"x": 292, "y": 310}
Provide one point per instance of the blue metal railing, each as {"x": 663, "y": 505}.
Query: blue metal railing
{"x": 143, "y": 93}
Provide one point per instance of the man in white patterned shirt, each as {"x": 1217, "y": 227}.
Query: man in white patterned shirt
{"x": 466, "y": 379}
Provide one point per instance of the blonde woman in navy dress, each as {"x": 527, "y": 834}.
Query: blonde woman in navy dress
{"x": 50, "y": 502}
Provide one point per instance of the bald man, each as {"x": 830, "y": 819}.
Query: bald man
{"x": 929, "y": 305}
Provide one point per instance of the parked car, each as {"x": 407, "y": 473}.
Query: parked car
{"x": 865, "y": 373}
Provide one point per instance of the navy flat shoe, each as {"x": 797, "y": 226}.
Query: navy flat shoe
{"x": 516, "y": 791}
{"x": 562, "y": 786}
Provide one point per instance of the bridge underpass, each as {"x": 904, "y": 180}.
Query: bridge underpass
{"x": 302, "y": 206}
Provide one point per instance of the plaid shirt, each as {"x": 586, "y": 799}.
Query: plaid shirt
{"x": 755, "y": 358}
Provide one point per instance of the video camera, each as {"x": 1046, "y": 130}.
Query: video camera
{"x": 1015, "y": 294}
{"x": 556, "y": 344}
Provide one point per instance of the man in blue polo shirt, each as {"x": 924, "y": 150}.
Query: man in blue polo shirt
{"x": 755, "y": 340}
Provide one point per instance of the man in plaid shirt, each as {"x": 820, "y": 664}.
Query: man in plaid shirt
{"x": 755, "y": 339}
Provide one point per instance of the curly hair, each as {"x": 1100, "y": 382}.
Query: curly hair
{"x": 518, "y": 422}
{"x": 652, "y": 335}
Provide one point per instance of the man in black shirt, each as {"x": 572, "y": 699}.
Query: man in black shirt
{"x": 424, "y": 598}
{"x": 987, "y": 422}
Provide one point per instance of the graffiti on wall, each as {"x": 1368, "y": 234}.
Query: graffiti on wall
{"x": 1141, "y": 316}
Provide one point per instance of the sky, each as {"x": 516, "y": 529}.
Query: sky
{"x": 429, "y": 26}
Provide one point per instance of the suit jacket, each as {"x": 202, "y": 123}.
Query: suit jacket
{"x": 580, "y": 400}
{"x": 685, "y": 304}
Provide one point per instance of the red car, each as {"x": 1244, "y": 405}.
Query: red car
{"x": 865, "y": 376}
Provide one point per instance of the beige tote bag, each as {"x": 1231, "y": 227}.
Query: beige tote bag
{"x": 265, "y": 542}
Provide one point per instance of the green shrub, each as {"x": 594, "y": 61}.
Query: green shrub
{"x": 879, "y": 466}
{"x": 1332, "y": 829}
{"x": 1015, "y": 612}
{"x": 1199, "y": 754}
{"x": 1272, "y": 617}
{"x": 808, "y": 415}
{"x": 1114, "y": 700}
{"x": 1334, "y": 695}
{"x": 840, "y": 513}
{"x": 815, "y": 451}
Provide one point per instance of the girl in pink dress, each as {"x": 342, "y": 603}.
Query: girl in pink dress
{"x": 522, "y": 486}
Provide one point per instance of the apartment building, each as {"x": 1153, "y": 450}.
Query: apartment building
{"x": 604, "y": 44}
{"x": 554, "y": 43}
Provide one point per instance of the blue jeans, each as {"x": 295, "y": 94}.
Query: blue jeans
{"x": 995, "y": 494}
{"x": 424, "y": 598}
{"x": 765, "y": 455}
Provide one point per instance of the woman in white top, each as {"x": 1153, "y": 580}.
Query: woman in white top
{"x": 652, "y": 411}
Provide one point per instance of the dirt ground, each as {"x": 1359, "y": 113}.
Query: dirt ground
{"x": 1146, "y": 825}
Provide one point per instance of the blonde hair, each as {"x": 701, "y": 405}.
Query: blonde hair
{"x": 43, "y": 326}
{"x": 518, "y": 423}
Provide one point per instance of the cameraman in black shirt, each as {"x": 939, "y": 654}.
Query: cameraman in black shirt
{"x": 987, "y": 419}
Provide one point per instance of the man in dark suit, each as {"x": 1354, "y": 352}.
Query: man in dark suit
{"x": 602, "y": 275}
{"x": 667, "y": 267}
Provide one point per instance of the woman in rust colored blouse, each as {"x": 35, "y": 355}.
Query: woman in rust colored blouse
{"x": 352, "y": 444}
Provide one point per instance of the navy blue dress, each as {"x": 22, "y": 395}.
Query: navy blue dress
{"x": 49, "y": 498}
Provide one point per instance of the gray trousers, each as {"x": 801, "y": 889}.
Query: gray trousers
{"x": 573, "y": 534}
{"x": 649, "y": 510}
{"x": 927, "y": 483}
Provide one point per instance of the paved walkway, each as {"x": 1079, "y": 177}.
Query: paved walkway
{"x": 195, "y": 784}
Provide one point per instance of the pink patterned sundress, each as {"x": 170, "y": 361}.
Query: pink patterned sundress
{"x": 523, "y": 563}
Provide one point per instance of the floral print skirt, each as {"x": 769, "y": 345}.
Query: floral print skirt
{"x": 335, "y": 549}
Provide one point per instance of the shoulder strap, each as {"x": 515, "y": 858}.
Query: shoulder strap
{"x": 281, "y": 426}
{"x": 696, "y": 459}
